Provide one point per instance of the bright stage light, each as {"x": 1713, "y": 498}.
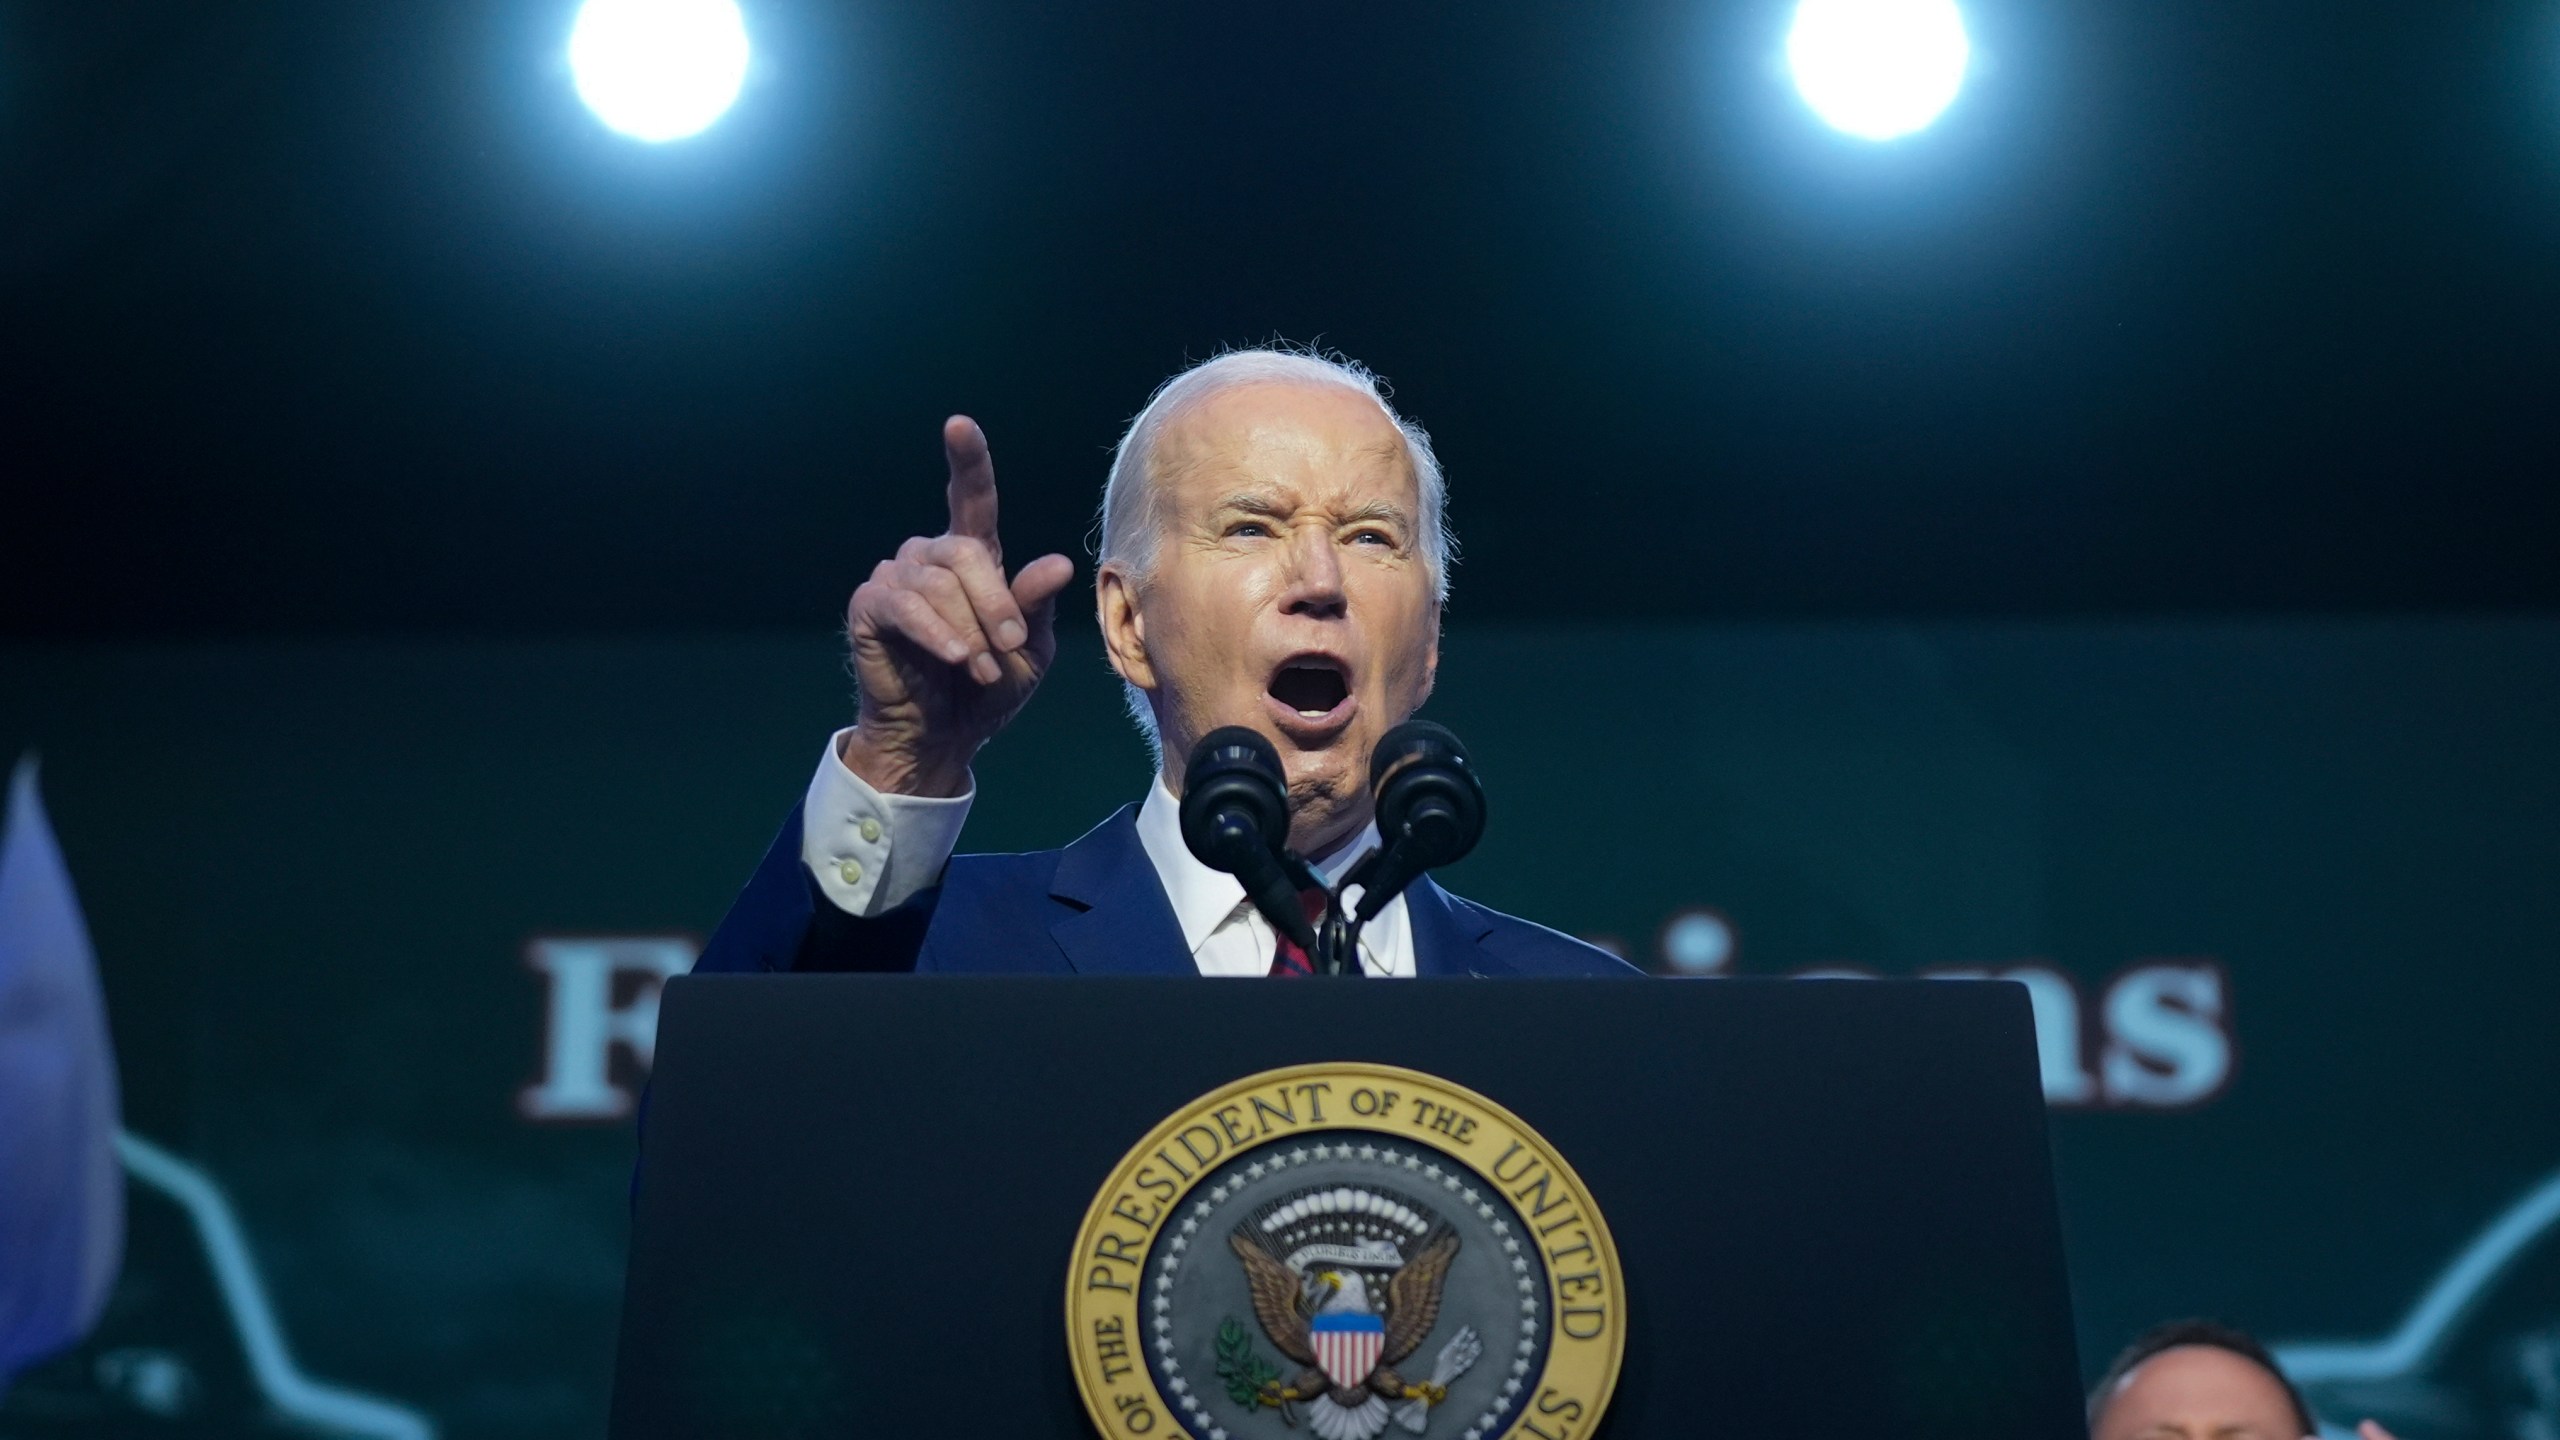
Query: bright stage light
{"x": 1698, "y": 942}
{"x": 658, "y": 69}
{"x": 1878, "y": 69}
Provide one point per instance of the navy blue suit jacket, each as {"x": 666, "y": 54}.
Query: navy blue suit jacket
{"x": 1094, "y": 908}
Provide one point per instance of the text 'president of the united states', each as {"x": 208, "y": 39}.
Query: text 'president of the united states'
{"x": 1273, "y": 556}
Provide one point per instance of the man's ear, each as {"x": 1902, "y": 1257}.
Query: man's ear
{"x": 1124, "y": 630}
{"x": 1431, "y": 658}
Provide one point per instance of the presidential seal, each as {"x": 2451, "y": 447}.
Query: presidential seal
{"x": 1351, "y": 1250}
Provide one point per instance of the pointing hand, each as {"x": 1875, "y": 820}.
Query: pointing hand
{"x": 945, "y": 648}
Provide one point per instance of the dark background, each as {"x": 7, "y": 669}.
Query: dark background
{"x": 341, "y": 318}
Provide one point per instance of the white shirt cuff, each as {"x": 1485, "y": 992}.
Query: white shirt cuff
{"x": 872, "y": 852}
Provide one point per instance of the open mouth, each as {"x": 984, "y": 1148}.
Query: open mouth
{"x": 1313, "y": 686}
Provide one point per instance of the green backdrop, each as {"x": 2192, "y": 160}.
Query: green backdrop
{"x": 2289, "y": 893}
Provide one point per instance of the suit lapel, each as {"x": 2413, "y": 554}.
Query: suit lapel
{"x": 1448, "y": 937}
{"x": 1123, "y": 924}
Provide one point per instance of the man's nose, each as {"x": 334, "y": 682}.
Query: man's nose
{"x": 1315, "y": 574}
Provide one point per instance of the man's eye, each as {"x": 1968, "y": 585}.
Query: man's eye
{"x": 1373, "y": 537}
{"x": 1253, "y": 528}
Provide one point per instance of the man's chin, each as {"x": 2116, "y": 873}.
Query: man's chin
{"x": 1324, "y": 811}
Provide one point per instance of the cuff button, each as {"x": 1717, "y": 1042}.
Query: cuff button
{"x": 849, "y": 871}
{"x": 870, "y": 828}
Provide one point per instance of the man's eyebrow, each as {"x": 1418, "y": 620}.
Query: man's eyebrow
{"x": 1253, "y": 502}
{"x": 1378, "y": 510}
{"x": 1267, "y": 503}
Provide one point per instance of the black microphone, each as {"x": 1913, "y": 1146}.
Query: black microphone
{"x": 1235, "y": 818}
{"x": 1430, "y": 811}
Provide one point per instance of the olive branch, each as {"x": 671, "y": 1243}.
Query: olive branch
{"x": 1247, "y": 1375}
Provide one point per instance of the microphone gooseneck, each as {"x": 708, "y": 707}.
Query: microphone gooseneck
{"x": 1235, "y": 818}
{"x": 1430, "y": 809}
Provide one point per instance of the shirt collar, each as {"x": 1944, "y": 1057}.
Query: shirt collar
{"x": 1203, "y": 898}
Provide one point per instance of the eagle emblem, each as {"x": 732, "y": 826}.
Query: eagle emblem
{"x": 1346, "y": 1282}
{"x": 1298, "y": 1255}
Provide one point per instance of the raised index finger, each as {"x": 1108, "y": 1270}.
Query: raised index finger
{"x": 973, "y": 481}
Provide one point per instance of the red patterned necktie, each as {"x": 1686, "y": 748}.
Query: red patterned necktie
{"x": 1291, "y": 961}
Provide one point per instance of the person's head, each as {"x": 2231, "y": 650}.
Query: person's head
{"x": 2196, "y": 1380}
{"x": 1274, "y": 555}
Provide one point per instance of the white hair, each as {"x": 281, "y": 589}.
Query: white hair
{"x": 1133, "y": 524}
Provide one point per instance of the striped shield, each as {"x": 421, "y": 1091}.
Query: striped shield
{"x": 1347, "y": 1345}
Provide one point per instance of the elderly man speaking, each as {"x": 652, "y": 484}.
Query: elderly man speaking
{"x": 1273, "y": 556}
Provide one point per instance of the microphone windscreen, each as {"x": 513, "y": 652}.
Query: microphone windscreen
{"x": 1235, "y": 799}
{"x": 1430, "y": 803}
{"x": 1412, "y": 741}
{"x": 1231, "y": 746}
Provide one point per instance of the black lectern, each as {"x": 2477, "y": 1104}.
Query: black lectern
{"x": 862, "y": 1200}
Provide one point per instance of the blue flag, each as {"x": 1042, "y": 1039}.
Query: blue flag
{"x": 61, "y": 1185}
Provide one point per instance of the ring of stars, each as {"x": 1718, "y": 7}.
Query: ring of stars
{"x": 1179, "y": 1244}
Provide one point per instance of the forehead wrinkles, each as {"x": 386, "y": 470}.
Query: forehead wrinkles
{"x": 1199, "y": 475}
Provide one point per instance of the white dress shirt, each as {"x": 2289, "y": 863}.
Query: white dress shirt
{"x": 871, "y": 852}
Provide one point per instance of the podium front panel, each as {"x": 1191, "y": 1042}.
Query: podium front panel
{"x": 1831, "y": 1200}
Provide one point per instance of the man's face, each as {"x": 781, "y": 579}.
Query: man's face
{"x": 2197, "y": 1392}
{"x": 1289, "y": 591}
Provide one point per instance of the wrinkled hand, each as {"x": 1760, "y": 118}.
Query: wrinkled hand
{"x": 945, "y": 649}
